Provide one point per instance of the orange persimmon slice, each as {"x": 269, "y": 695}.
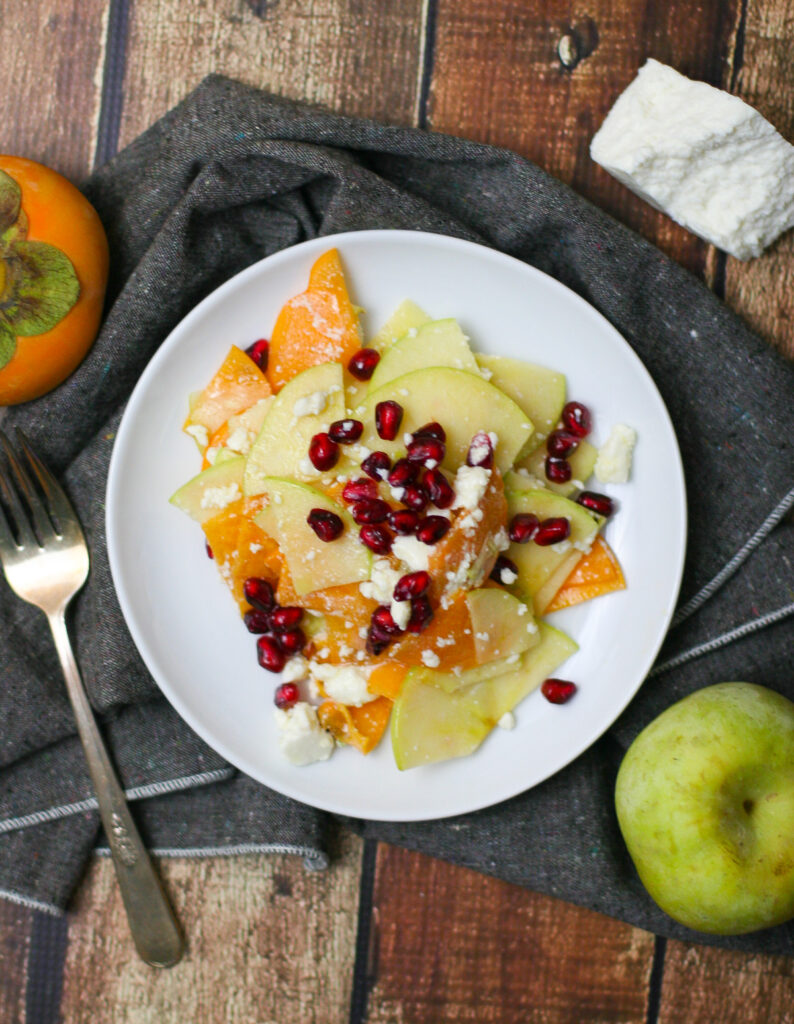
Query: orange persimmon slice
{"x": 596, "y": 573}
{"x": 386, "y": 680}
{"x": 241, "y": 549}
{"x": 237, "y": 385}
{"x": 360, "y": 727}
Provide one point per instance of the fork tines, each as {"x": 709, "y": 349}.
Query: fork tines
{"x": 22, "y": 500}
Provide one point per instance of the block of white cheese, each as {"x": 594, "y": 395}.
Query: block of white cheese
{"x": 704, "y": 157}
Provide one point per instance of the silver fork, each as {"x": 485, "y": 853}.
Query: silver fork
{"x": 45, "y": 560}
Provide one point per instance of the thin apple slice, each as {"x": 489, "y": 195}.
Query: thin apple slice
{"x": 438, "y": 343}
{"x": 313, "y": 564}
{"x": 582, "y": 461}
{"x": 212, "y": 490}
{"x": 463, "y": 403}
{"x": 282, "y": 444}
{"x": 501, "y": 624}
{"x": 539, "y": 391}
{"x": 407, "y": 317}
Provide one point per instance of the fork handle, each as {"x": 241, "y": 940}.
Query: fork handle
{"x": 152, "y": 922}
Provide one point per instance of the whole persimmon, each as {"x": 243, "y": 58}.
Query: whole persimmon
{"x": 53, "y": 275}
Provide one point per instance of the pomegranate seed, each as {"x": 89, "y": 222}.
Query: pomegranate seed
{"x": 259, "y": 352}
{"x": 439, "y": 489}
{"x": 414, "y": 584}
{"x": 370, "y": 510}
{"x": 376, "y": 538}
{"x": 208, "y": 549}
{"x": 523, "y": 527}
{"x": 362, "y": 363}
{"x": 358, "y": 490}
{"x": 256, "y": 621}
{"x": 377, "y": 640}
{"x": 426, "y": 449}
{"x": 504, "y": 565}
{"x": 326, "y": 524}
{"x": 480, "y": 451}
{"x": 286, "y": 696}
{"x": 259, "y": 593}
{"x": 557, "y": 691}
{"x": 576, "y": 418}
{"x": 292, "y": 641}
{"x": 421, "y": 614}
{"x": 375, "y": 464}
{"x": 414, "y": 497}
{"x": 383, "y": 621}
{"x": 552, "y": 531}
{"x": 323, "y": 452}
{"x": 431, "y": 430}
{"x": 403, "y": 473}
{"x": 388, "y": 417}
{"x": 285, "y": 618}
{"x": 403, "y": 521}
{"x": 558, "y": 470}
{"x": 269, "y": 654}
{"x": 561, "y": 443}
{"x": 599, "y": 503}
{"x": 346, "y": 431}
{"x": 431, "y": 529}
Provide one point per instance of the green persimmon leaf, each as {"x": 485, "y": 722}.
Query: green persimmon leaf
{"x": 8, "y": 344}
{"x": 44, "y": 287}
{"x": 10, "y": 201}
{"x": 18, "y": 231}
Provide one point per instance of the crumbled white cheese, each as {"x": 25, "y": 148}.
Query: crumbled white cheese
{"x": 401, "y": 612}
{"x": 211, "y": 454}
{"x": 430, "y": 658}
{"x": 301, "y": 739}
{"x": 507, "y": 721}
{"x": 701, "y": 155}
{"x": 471, "y": 483}
{"x": 240, "y": 440}
{"x": 199, "y": 433}
{"x": 305, "y": 467}
{"x": 220, "y": 497}
{"x": 346, "y": 684}
{"x": 501, "y": 541}
{"x": 507, "y": 576}
{"x": 522, "y": 609}
{"x": 382, "y": 580}
{"x": 479, "y": 451}
{"x": 613, "y": 465}
{"x": 296, "y": 668}
{"x": 486, "y": 373}
{"x": 458, "y": 579}
{"x": 411, "y": 552}
{"x": 561, "y": 547}
{"x": 313, "y": 404}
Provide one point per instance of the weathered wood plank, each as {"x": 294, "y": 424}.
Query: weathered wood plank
{"x": 268, "y": 941}
{"x": 498, "y": 78}
{"x": 15, "y": 926}
{"x": 50, "y": 81}
{"x": 341, "y": 53}
{"x": 453, "y": 945}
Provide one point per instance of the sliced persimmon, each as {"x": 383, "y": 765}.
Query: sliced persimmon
{"x": 597, "y": 572}
{"x": 345, "y": 601}
{"x": 360, "y": 727}
{"x": 448, "y": 636}
{"x": 318, "y": 326}
{"x": 236, "y": 386}
{"x": 241, "y": 549}
{"x": 386, "y": 680}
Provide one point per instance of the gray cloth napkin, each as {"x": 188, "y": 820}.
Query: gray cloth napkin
{"x": 232, "y": 175}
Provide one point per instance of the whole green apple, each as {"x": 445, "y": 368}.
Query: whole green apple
{"x": 705, "y": 802}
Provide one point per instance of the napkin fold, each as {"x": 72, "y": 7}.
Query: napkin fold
{"x": 231, "y": 175}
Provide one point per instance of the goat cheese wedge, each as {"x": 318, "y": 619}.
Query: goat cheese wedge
{"x": 702, "y": 156}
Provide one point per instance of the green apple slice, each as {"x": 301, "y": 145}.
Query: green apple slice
{"x": 438, "y": 343}
{"x": 313, "y": 564}
{"x": 500, "y": 623}
{"x": 463, "y": 403}
{"x": 582, "y": 461}
{"x": 208, "y": 493}
{"x": 539, "y": 391}
{"x": 407, "y": 317}
{"x": 282, "y": 444}
{"x": 430, "y": 724}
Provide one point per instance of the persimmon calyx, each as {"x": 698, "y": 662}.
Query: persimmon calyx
{"x": 38, "y": 283}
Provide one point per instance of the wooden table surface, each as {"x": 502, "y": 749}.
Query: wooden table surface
{"x": 386, "y": 935}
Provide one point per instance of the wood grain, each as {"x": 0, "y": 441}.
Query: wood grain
{"x": 15, "y": 926}
{"x": 50, "y": 81}
{"x": 498, "y": 78}
{"x": 453, "y": 945}
{"x": 268, "y": 942}
{"x": 341, "y": 53}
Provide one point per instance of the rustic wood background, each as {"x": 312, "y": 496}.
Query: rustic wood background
{"x": 387, "y": 936}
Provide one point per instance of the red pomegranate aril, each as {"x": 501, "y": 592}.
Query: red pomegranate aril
{"x": 439, "y": 489}
{"x": 326, "y": 524}
{"x": 576, "y": 418}
{"x": 388, "y": 417}
{"x": 269, "y": 654}
{"x": 412, "y": 585}
{"x": 421, "y": 614}
{"x": 426, "y": 449}
{"x": 480, "y": 451}
{"x": 504, "y": 565}
{"x": 359, "y": 489}
{"x": 383, "y": 621}
{"x": 552, "y": 531}
{"x": 208, "y": 549}
{"x": 292, "y": 641}
{"x": 403, "y": 473}
{"x": 286, "y": 696}
{"x": 362, "y": 363}
{"x": 259, "y": 593}
{"x": 376, "y": 465}
{"x": 414, "y": 497}
{"x": 431, "y": 430}
{"x": 602, "y": 504}
{"x": 285, "y": 618}
{"x": 523, "y": 527}
{"x": 346, "y": 431}
{"x": 431, "y": 529}
{"x": 558, "y": 470}
{"x": 257, "y": 621}
{"x": 377, "y": 538}
{"x": 259, "y": 352}
{"x": 370, "y": 510}
{"x": 377, "y": 640}
{"x": 561, "y": 443}
{"x": 403, "y": 521}
{"x": 323, "y": 452}
{"x": 558, "y": 691}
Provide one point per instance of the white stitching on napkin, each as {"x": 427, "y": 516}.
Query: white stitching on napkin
{"x": 29, "y": 901}
{"x": 314, "y": 860}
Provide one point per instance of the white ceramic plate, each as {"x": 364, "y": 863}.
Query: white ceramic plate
{"x": 188, "y": 629}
